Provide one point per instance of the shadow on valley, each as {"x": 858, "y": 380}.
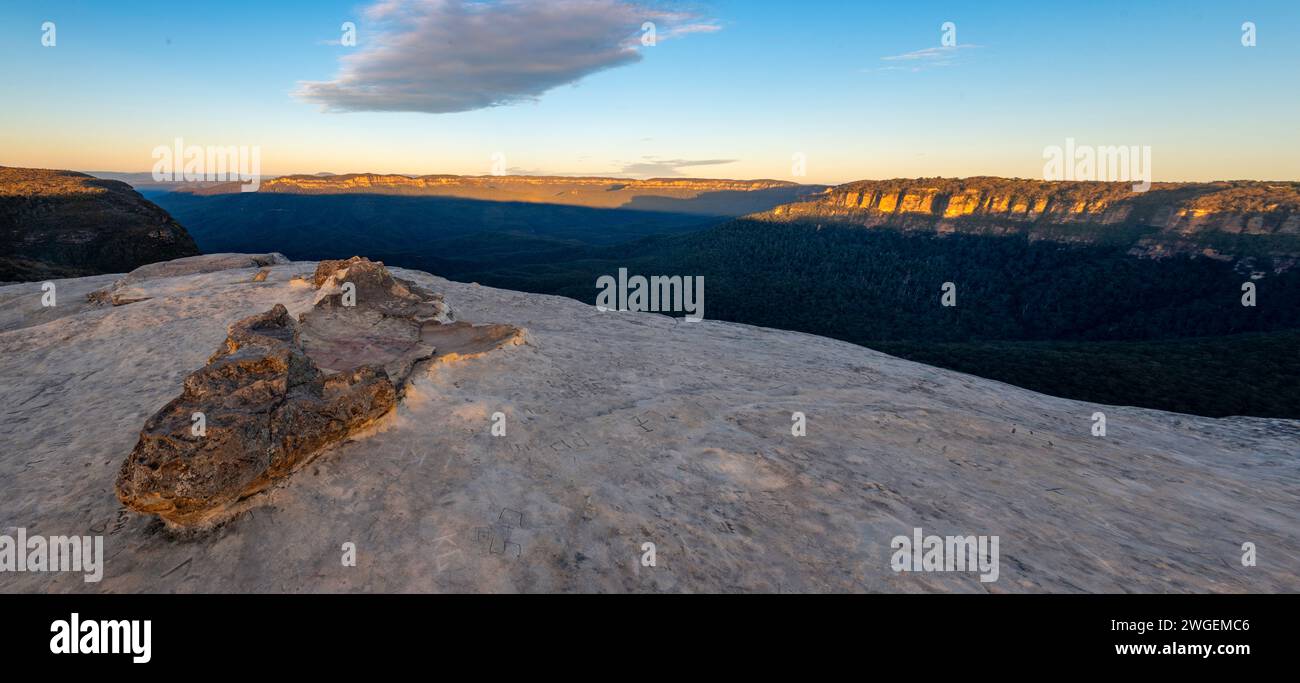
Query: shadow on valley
{"x": 1085, "y": 322}
{"x": 321, "y": 226}
{"x": 721, "y": 202}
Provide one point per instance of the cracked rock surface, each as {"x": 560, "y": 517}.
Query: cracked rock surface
{"x": 266, "y": 408}
{"x": 279, "y": 391}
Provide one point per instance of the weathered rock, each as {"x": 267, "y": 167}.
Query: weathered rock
{"x": 379, "y": 320}
{"x": 207, "y": 263}
{"x": 458, "y": 340}
{"x": 127, "y": 289}
{"x": 267, "y": 409}
{"x": 111, "y": 296}
{"x": 281, "y": 391}
{"x": 377, "y": 289}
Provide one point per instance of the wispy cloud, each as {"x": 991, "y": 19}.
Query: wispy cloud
{"x": 921, "y": 60}
{"x": 442, "y": 56}
{"x": 654, "y": 167}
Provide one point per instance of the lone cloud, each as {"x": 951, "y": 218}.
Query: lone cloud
{"x": 443, "y": 56}
{"x": 667, "y": 168}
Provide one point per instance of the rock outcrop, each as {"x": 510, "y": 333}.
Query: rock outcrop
{"x": 279, "y": 391}
{"x": 1223, "y": 219}
{"x": 207, "y": 263}
{"x": 57, "y": 224}
{"x": 128, "y": 290}
{"x": 259, "y": 409}
{"x": 365, "y": 315}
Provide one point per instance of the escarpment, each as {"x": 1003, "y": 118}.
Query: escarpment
{"x": 57, "y": 224}
{"x": 1220, "y": 219}
{"x": 280, "y": 391}
{"x": 308, "y": 184}
{"x": 692, "y": 196}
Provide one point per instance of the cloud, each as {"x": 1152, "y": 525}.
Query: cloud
{"x": 442, "y": 56}
{"x": 667, "y": 168}
{"x": 921, "y": 60}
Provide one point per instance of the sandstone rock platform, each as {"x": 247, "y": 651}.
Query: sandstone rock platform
{"x": 624, "y": 429}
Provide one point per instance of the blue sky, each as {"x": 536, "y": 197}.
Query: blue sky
{"x": 749, "y": 83}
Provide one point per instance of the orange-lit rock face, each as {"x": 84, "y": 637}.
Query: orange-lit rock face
{"x": 962, "y": 204}
{"x": 683, "y": 195}
{"x": 887, "y": 203}
{"x": 536, "y": 188}
{"x": 371, "y": 180}
{"x": 917, "y": 202}
{"x": 1094, "y": 210}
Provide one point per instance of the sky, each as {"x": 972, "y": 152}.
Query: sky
{"x": 816, "y": 91}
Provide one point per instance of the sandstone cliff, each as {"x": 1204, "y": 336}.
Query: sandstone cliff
{"x": 67, "y": 224}
{"x": 397, "y": 183}
{"x": 686, "y": 195}
{"x": 1221, "y": 219}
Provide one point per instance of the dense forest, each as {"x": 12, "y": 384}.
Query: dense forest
{"x": 1245, "y": 374}
{"x": 1090, "y": 323}
{"x": 869, "y": 285}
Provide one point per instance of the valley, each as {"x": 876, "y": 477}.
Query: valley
{"x": 1144, "y": 289}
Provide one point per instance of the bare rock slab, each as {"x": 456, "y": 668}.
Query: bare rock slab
{"x": 627, "y": 428}
{"x": 364, "y": 315}
{"x": 128, "y": 289}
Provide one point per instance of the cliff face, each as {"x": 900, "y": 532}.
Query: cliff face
{"x": 307, "y": 184}
{"x": 682, "y": 195}
{"x": 1221, "y": 219}
{"x": 67, "y": 224}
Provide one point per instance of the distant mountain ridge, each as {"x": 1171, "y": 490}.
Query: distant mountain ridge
{"x": 1228, "y": 220}
{"x": 699, "y": 196}
{"x": 328, "y": 182}
{"x": 1225, "y": 220}
{"x": 66, "y": 224}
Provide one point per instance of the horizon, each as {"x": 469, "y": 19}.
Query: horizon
{"x": 724, "y": 90}
{"x": 677, "y": 178}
